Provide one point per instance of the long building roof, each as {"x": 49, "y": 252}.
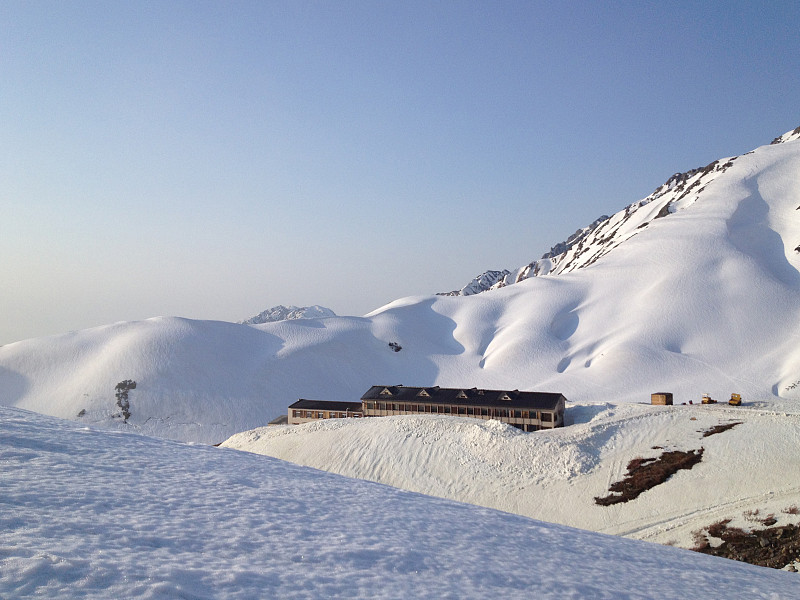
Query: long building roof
{"x": 464, "y": 396}
{"x": 327, "y": 405}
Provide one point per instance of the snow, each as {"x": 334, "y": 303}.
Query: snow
{"x": 555, "y": 475}
{"x": 89, "y": 513}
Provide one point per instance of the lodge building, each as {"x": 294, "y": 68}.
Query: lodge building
{"x": 529, "y": 411}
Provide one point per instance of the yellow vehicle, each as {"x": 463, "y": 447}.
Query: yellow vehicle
{"x": 736, "y": 400}
{"x": 708, "y": 399}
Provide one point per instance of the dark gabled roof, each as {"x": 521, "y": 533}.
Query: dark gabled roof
{"x": 327, "y": 405}
{"x": 464, "y": 396}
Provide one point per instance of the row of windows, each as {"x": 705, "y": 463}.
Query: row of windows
{"x": 326, "y": 414}
{"x": 459, "y": 410}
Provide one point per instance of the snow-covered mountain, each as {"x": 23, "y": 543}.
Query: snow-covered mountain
{"x": 96, "y": 514}
{"x": 590, "y": 243}
{"x": 288, "y": 313}
{"x": 705, "y": 299}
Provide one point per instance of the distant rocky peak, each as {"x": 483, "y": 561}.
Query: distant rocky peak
{"x": 288, "y": 313}
{"x": 481, "y": 283}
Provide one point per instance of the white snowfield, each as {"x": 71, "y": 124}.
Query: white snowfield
{"x": 87, "y": 513}
{"x": 704, "y": 299}
{"x": 555, "y": 475}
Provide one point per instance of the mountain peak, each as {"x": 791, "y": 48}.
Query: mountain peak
{"x": 288, "y": 313}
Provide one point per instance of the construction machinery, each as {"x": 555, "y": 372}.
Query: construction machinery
{"x": 707, "y": 399}
{"x": 736, "y": 400}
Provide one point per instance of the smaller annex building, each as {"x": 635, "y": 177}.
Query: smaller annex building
{"x": 304, "y": 411}
{"x": 529, "y": 411}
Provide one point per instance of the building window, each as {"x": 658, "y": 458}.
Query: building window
{"x": 546, "y": 416}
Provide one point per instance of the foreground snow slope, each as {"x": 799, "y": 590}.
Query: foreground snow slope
{"x": 94, "y": 514}
{"x": 704, "y": 299}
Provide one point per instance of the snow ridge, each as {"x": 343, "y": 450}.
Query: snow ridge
{"x": 789, "y": 136}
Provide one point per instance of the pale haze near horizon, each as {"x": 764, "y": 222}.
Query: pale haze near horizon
{"x": 210, "y": 160}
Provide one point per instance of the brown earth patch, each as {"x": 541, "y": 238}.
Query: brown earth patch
{"x": 773, "y": 547}
{"x": 646, "y": 473}
{"x": 720, "y": 428}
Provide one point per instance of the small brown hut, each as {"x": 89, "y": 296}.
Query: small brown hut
{"x": 662, "y": 398}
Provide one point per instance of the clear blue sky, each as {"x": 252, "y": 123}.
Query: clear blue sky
{"x": 212, "y": 159}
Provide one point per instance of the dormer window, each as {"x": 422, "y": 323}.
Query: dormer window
{"x": 424, "y": 393}
{"x": 461, "y": 395}
{"x": 386, "y": 392}
{"x": 505, "y": 396}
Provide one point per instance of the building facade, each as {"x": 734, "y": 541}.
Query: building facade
{"x": 304, "y": 411}
{"x": 529, "y": 411}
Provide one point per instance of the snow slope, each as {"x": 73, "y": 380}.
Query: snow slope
{"x": 704, "y": 299}
{"x": 555, "y": 475}
{"x": 96, "y": 514}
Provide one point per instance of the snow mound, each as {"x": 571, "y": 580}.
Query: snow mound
{"x": 556, "y": 475}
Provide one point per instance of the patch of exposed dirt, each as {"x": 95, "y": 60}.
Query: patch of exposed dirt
{"x": 720, "y": 428}
{"x": 774, "y": 547}
{"x": 646, "y": 473}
